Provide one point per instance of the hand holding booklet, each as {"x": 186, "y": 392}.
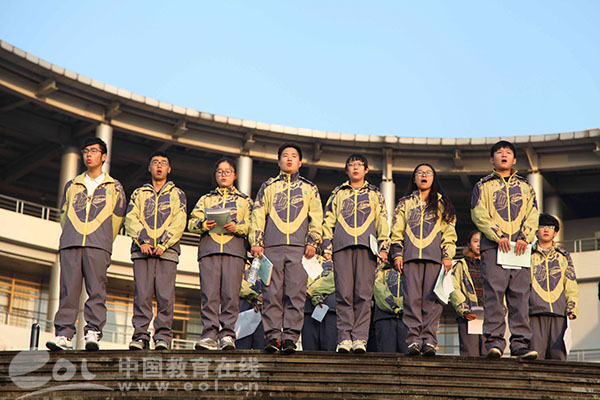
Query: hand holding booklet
{"x": 222, "y": 216}
{"x": 510, "y": 260}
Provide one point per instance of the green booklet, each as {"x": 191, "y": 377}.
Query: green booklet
{"x": 222, "y": 216}
{"x": 265, "y": 270}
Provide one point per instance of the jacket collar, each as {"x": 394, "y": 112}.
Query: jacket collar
{"x": 225, "y": 191}
{"x": 81, "y": 178}
{"x": 167, "y": 186}
{"x": 348, "y": 185}
{"x": 513, "y": 172}
{"x": 293, "y": 177}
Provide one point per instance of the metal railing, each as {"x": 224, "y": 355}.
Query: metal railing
{"x": 579, "y": 245}
{"x": 53, "y": 214}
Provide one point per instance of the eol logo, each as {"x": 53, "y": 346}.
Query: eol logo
{"x": 27, "y": 372}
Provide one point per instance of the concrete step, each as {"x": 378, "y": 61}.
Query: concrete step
{"x": 108, "y": 374}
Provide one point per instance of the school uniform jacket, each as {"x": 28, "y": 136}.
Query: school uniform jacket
{"x": 94, "y": 226}
{"x": 553, "y": 283}
{"x": 464, "y": 296}
{"x": 287, "y": 211}
{"x": 233, "y": 244}
{"x": 504, "y": 209}
{"x": 387, "y": 291}
{"x": 322, "y": 289}
{"x": 351, "y": 216}
{"x": 157, "y": 219}
{"x": 418, "y": 234}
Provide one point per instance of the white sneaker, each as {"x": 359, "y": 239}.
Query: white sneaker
{"x": 91, "y": 340}
{"x": 227, "y": 343}
{"x": 359, "y": 346}
{"x": 344, "y": 346}
{"x": 206, "y": 344}
{"x": 60, "y": 343}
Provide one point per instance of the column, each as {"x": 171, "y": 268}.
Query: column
{"x": 553, "y": 207}
{"x": 536, "y": 180}
{"x": 69, "y": 167}
{"x": 244, "y": 172}
{"x": 388, "y": 188}
{"x": 105, "y": 132}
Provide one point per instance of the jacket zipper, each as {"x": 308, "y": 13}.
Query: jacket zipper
{"x": 155, "y": 215}
{"x": 421, "y": 230}
{"x": 355, "y": 211}
{"x": 506, "y": 183}
{"x": 287, "y": 230}
{"x": 224, "y": 201}
{"x": 87, "y": 213}
{"x": 548, "y": 283}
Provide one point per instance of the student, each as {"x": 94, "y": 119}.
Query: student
{"x": 387, "y": 314}
{"x": 504, "y": 209}
{"x": 423, "y": 240}
{"x": 251, "y": 298}
{"x": 221, "y": 257}
{"x": 286, "y": 224}
{"x": 155, "y": 220}
{"x": 320, "y": 335}
{"x": 554, "y": 294}
{"x": 468, "y": 293}
{"x": 354, "y": 212}
{"x": 92, "y": 210}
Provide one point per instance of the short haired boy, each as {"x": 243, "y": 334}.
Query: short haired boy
{"x": 155, "y": 220}
{"x": 92, "y": 210}
{"x": 355, "y": 211}
{"x": 285, "y": 225}
{"x": 504, "y": 209}
{"x": 554, "y": 293}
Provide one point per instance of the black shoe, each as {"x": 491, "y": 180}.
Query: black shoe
{"x": 414, "y": 349}
{"x": 139, "y": 344}
{"x": 272, "y": 346}
{"x": 288, "y": 347}
{"x": 428, "y": 350}
{"x": 525, "y": 354}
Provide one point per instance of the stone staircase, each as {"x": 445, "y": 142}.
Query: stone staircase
{"x": 109, "y": 374}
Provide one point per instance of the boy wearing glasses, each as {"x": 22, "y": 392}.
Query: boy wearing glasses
{"x": 155, "y": 220}
{"x": 554, "y": 294}
{"x": 504, "y": 209}
{"x": 92, "y": 210}
{"x": 286, "y": 224}
{"x": 354, "y": 213}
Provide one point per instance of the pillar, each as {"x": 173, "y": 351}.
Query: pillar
{"x": 244, "y": 172}
{"x": 69, "y": 167}
{"x": 388, "y": 188}
{"x": 553, "y": 207}
{"x": 105, "y": 132}
{"x": 536, "y": 180}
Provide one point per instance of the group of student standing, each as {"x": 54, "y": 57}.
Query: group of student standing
{"x": 361, "y": 255}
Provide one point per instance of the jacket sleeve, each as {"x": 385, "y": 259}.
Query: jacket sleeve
{"x": 64, "y": 204}
{"x": 133, "y": 227}
{"x": 448, "y": 242}
{"x": 258, "y": 218}
{"x": 458, "y": 298}
{"x": 119, "y": 209}
{"x": 571, "y": 290}
{"x": 382, "y": 225}
{"x": 398, "y": 229}
{"x": 384, "y": 299}
{"x": 243, "y": 224}
{"x": 197, "y": 221}
{"x": 174, "y": 231}
{"x": 321, "y": 287}
{"x": 329, "y": 223}
{"x": 315, "y": 223}
{"x": 529, "y": 226}
{"x": 481, "y": 217}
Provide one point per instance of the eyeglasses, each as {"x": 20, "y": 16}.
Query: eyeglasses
{"x": 355, "y": 164}
{"x": 92, "y": 151}
{"x": 549, "y": 227}
{"x": 424, "y": 173}
{"x": 224, "y": 172}
{"x": 162, "y": 163}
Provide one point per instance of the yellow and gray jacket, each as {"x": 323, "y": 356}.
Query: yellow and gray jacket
{"x": 322, "y": 289}
{"x": 287, "y": 211}
{"x": 553, "y": 282}
{"x": 418, "y": 234}
{"x": 351, "y": 216}
{"x": 504, "y": 208}
{"x": 464, "y": 297}
{"x": 157, "y": 219}
{"x": 387, "y": 291}
{"x": 233, "y": 244}
{"x": 250, "y": 292}
{"x": 96, "y": 225}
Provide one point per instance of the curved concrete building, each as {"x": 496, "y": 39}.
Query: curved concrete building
{"x": 46, "y": 110}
